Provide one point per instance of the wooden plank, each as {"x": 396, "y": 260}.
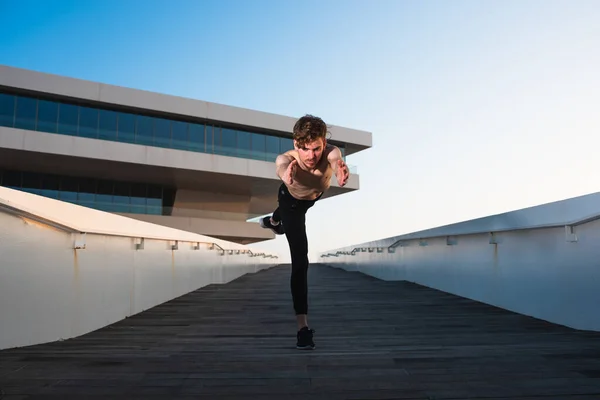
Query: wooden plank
{"x": 375, "y": 340}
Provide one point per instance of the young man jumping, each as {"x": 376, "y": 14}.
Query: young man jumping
{"x": 306, "y": 172}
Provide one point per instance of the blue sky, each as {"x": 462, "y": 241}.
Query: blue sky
{"x": 476, "y": 107}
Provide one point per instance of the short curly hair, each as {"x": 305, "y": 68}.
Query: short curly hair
{"x": 308, "y": 129}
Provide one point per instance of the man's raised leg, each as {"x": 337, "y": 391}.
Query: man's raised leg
{"x": 273, "y": 222}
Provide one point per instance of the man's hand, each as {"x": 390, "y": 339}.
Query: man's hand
{"x": 341, "y": 173}
{"x": 290, "y": 173}
{"x": 340, "y": 169}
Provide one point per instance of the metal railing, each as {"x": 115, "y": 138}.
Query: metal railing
{"x": 570, "y": 236}
{"x": 79, "y": 241}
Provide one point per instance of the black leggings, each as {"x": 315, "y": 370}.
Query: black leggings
{"x": 292, "y": 212}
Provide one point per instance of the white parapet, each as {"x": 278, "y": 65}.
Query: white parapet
{"x": 66, "y": 270}
{"x": 541, "y": 261}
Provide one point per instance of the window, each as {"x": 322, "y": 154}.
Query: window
{"x": 168, "y": 199}
{"x": 243, "y": 144}
{"x": 86, "y": 195}
{"x": 64, "y": 118}
{"x": 144, "y": 130}
{"x": 26, "y": 113}
{"x": 154, "y": 200}
{"x": 162, "y": 132}
{"x": 47, "y": 118}
{"x": 88, "y": 122}
{"x": 69, "y": 187}
{"x": 121, "y": 197}
{"x": 211, "y": 133}
{"x": 179, "y": 135}
{"x": 272, "y": 147}
{"x": 12, "y": 179}
{"x": 138, "y": 198}
{"x": 111, "y": 196}
{"x": 104, "y": 198}
{"x": 32, "y": 181}
{"x": 285, "y": 145}
{"x": 196, "y": 137}
{"x": 258, "y": 143}
{"x": 227, "y": 142}
{"x": 50, "y": 186}
{"x": 7, "y": 110}
{"x": 107, "y": 125}
{"x": 126, "y": 127}
{"x": 68, "y": 119}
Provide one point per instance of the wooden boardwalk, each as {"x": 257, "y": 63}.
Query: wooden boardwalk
{"x": 375, "y": 340}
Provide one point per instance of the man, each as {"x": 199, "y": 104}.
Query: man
{"x": 306, "y": 172}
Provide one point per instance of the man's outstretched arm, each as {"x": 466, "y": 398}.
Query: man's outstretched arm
{"x": 340, "y": 169}
{"x": 285, "y": 166}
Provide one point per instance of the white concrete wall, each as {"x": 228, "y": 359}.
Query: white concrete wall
{"x": 51, "y": 290}
{"x": 550, "y": 271}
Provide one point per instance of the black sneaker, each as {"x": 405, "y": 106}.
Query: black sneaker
{"x": 305, "y": 339}
{"x": 266, "y": 223}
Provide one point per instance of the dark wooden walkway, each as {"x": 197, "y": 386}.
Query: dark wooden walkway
{"x": 375, "y": 340}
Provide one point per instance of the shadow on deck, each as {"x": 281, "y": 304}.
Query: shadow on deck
{"x": 375, "y": 340}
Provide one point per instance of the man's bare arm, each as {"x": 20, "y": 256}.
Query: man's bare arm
{"x": 340, "y": 169}
{"x": 285, "y": 166}
{"x": 282, "y": 163}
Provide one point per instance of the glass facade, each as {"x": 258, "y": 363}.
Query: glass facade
{"x": 66, "y": 118}
{"x": 105, "y": 195}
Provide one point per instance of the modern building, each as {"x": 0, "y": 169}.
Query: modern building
{"x": 189, "y": 164}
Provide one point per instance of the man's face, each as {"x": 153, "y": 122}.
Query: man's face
{"x": 310, "y": 153}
